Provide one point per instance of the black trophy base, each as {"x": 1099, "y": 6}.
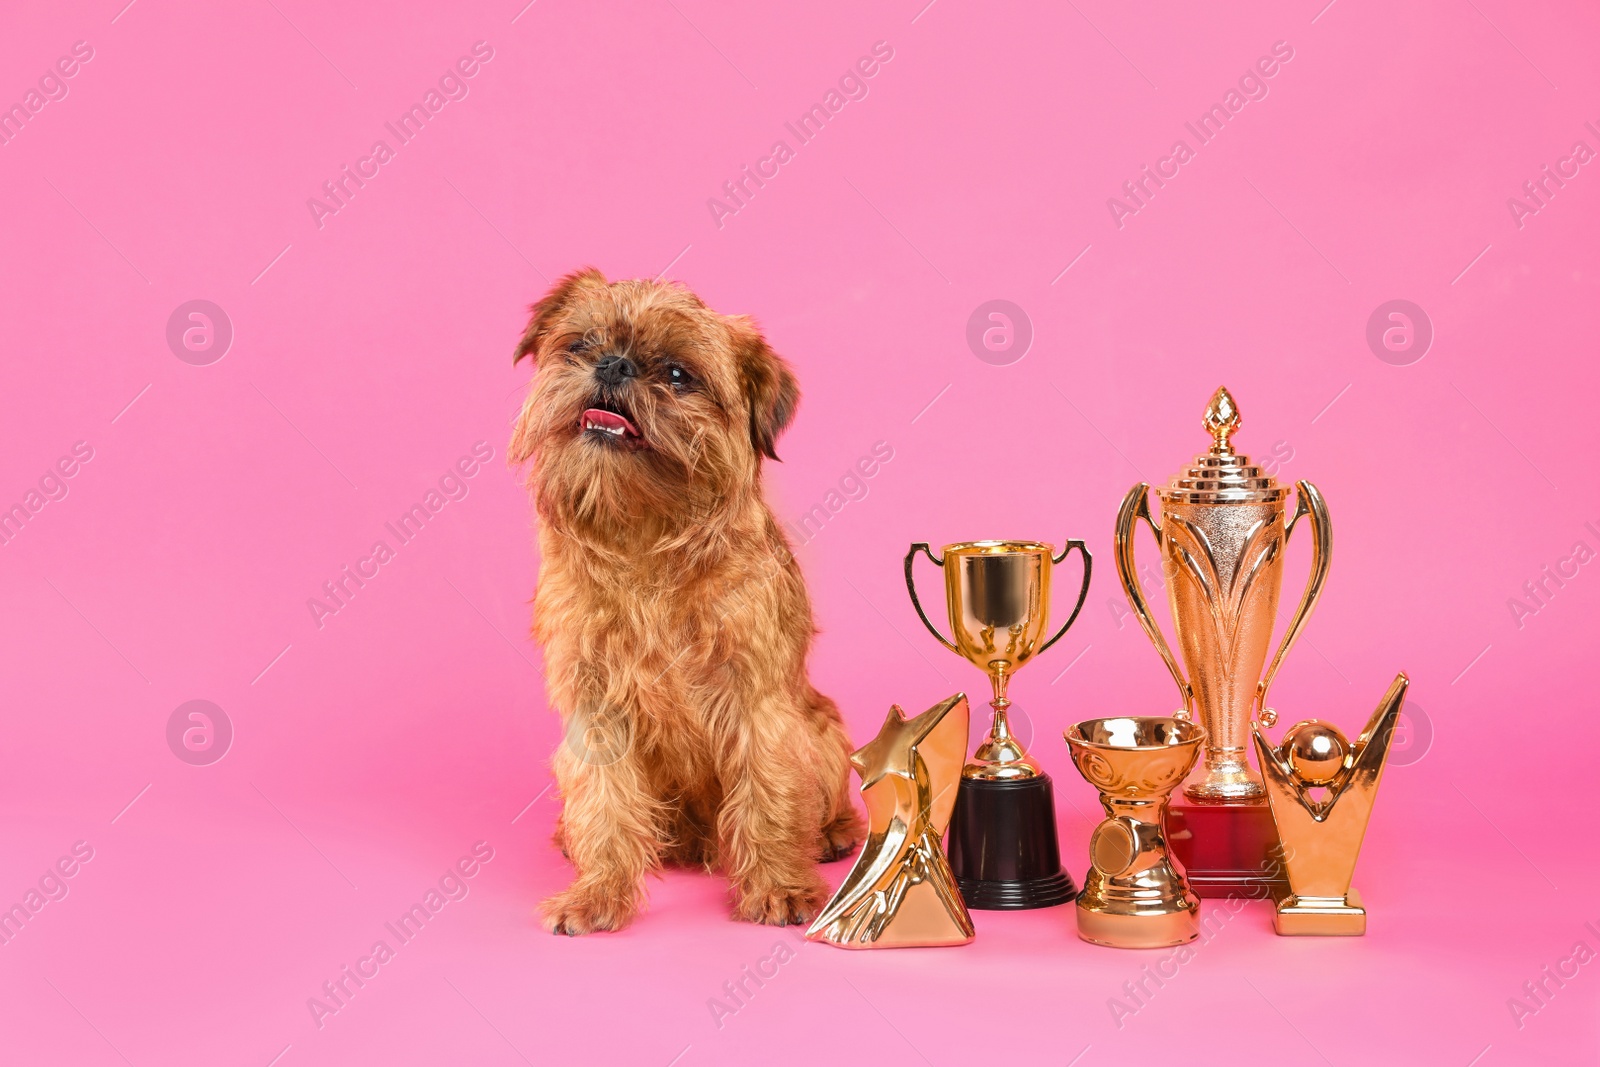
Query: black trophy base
{"x": 1016, "y": 896}
{"x": 1003, "y": 847}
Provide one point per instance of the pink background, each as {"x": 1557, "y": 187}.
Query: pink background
{"x": 370, "y": 353}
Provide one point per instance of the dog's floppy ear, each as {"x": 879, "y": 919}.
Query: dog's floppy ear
{"x": 543, "y": 312}
{"x": 769, "y": 384}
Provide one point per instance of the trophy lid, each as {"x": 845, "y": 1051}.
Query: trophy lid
{"x": 1220, "y": 475}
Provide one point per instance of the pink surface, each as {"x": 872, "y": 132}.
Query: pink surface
{"x": 372, "y": 747}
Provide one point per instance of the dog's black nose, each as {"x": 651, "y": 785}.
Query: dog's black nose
{"x": 613, "y": 369}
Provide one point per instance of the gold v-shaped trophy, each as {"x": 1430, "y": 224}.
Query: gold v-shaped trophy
{"x": 1002, "y": 841}
{"x": 1322, "y": 834}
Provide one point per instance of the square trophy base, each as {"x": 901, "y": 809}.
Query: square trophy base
{"x": 1321, "y": 916}
{"x": 1228, "y": 850}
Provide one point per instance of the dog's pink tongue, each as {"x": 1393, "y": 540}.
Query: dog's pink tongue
{"x": 608, "y": 420}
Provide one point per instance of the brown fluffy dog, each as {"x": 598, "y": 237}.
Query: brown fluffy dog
{"x": 674, "y": 620}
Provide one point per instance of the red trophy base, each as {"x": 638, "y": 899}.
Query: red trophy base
{"x": 1227, "y": 850}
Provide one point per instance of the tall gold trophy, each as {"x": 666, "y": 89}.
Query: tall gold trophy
{"x": 1002, "y": 840}
{"x": 1223, "y": 532}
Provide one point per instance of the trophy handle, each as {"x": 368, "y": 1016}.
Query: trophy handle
{"x": 1308, "y": 501}
{"x": 1136, "y": 505}
{"x": 911, "y": 587}
{"x": 1083, "y": 594}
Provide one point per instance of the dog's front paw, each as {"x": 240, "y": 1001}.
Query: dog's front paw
{"x": 585, "y": 909}
{"x": 840, "y": 838}
{"x": 785, "y": 905}
{"x": 836, "y": 849}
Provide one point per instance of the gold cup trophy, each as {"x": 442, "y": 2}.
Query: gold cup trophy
{"x": 1223, "y": 533}
{"x": 1002, "y": 840}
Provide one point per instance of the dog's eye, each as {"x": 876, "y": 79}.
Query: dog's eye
{"x": 679, "y": 377}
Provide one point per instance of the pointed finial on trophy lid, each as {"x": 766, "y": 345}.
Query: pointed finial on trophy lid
{"x": 1220, "y": 475}
{"x": 1222, "y": 420}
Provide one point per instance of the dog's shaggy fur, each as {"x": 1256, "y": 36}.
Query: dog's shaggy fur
{"x": 674, "y": 620}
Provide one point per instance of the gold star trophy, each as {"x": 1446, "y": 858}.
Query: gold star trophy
{"x": 1322, "y": 837}
{"x": 900, "y": 893}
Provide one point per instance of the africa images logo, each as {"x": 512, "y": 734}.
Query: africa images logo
{"x": 452, "y": 86}
{"x": 52, "y": 88}
{"x": 453, "y": 486}
{"x": 852, "y": 85}
{"x": 1252, "y": 86}
{"x": 452, "y": 887}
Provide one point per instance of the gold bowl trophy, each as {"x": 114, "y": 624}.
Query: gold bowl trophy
{"x": 1133, "y": 896}
{"x": 1223, "y": 534}
{"x": 1322, "y": 837}
{"x": 1002, "y": 840}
